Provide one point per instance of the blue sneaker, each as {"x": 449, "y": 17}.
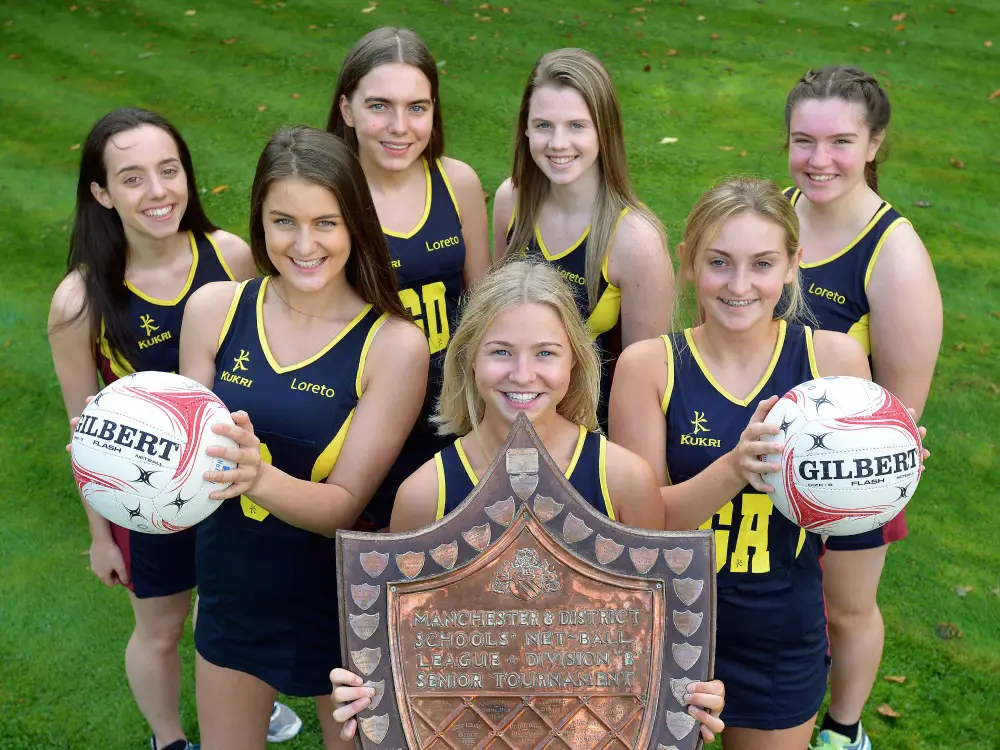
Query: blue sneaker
{"x": 284, "y": 724}
{"x": 830, "y": 740}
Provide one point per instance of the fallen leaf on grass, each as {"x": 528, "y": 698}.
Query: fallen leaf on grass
{"x": 219, "y": 189}
{"x": 669, "y": 140}
{"x": 898, "y": 679}
{"x": 75, "y": 147}
{"x": 948, "y": 630}
{"x": 922, "y": 204}
{"x": 727, "y": 148}
{"x": 961, "y": 318}
{"x": 864, "y": 48}
{"x": 995, "y": 95}
{"x": 901, "y": 27}
{"x": 714, "y": 36}
{"x": 996, "y": 591}
{"x": 313, "y": 27}
{"x": 995, "y": 314}
{"x": 646, "y": 68}
{"x": 898, "y": 16}
{"x": 701, "y": 18}
{"x": 73, "y": 7}
{"x": 956, "y": 163}
{"x": 952, "y": 11}
{"x": 963, "y": 590}
{"x": 262, "y": 108}
{"x": 987, "y": 43}
{"x": 472, "y": 38}
{"x": 296, "y": 96}
{"x": 13, "y": 56}
{"x": 959, "y": 347}
{"x": 888, "y": 711}
{"x": 190, "y": 12}
{"x": 742, "y": 153}
{"x": 231, "y": 40}
{"x": 369, "y": 9}
{"x": 674, "y": 53}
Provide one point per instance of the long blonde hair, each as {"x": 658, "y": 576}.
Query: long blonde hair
{"x": 515, "y": 284}
{"x": 735, "y": 196}
{"x": 580, "y": 70}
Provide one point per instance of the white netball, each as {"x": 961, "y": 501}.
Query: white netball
{"x": 852, "y": 456}
{"x": 139, "y": 452}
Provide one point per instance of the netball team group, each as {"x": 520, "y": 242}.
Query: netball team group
{"x": 370, "y": 270}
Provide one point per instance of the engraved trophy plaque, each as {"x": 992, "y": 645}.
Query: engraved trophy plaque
{"x": 527, "y": 619}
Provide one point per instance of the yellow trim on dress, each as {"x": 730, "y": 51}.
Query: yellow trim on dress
{"x": 237, "y": 294}
{"x": 864, "y": 232}
{"x": 859, "y": 331}
{"x": 328, "y": 458}
{"x": 668, "y": 391}
{"x": 878, "y": 247}
{"x": 811, "y": 349}
{"x": 451, "y": 192}
{"x": 364, "y": 350}
{"x": 602, "y": 465}
{"x": 545, "y": 251}
{"x": 187, "y": 284}
{"x": 465, "y": 462}
{"x": 580, "y": 440}
{"x": 442, "y": 490}
{"x": 760, "y": 384}
{"x": 267, "y": 349}
{"x": 427, "y": 208}
{"x": 222, "y": 261}
{"x": 119, "y": 365}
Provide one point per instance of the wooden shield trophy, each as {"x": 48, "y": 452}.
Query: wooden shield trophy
{"x": 527, "y": 619}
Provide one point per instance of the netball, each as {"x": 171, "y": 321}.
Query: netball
{"x": 139, "y": 452}
{"x": 852, "y": 456}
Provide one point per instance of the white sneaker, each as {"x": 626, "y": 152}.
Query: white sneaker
{"x": 284, "y": 725}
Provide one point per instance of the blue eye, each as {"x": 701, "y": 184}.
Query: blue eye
{"x": 543, "y": 125}
{"x": 283, "y": 222}
{"x": 326, "y": 223}
{"x": 577, "y": 126}
{"x": 717, "y": 262}
{"x": 418, "y": 108}
{"x": 376, "y": 107}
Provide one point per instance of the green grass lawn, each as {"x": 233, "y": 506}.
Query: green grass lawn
{"x": 711, "y": 74}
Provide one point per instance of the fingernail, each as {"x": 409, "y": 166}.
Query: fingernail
{"x": 371, "y": 692}
{"x": 687, "y": 697}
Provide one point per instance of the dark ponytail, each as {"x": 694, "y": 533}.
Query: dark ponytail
{"x": 851, "y": 85}
{"x": 97, "y": 246}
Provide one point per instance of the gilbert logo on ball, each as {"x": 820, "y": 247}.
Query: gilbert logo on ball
{"x": 139, "y": 452}
{"x": 852, "y": 456}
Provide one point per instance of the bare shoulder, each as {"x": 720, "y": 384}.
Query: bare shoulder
{"x": 642, "y": 356}
{"x": 638, "y": 230}
{"x": 503, "y": 200}
{"x": 210, "y": 301}
{"x": 840, "y": 354}
{"x": 69, "y": 299}
{"x": 416, "y": 500}
{"x": 236, "y": 253}
{"x": 460, "y": 174}
{"x": 402, "y": 338}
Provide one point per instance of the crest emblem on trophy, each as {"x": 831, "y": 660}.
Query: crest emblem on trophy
{"x": 527, "y": 619}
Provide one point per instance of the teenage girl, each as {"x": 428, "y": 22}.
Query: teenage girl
{"x": 522, "y": 347}
{"x": 689, "y": 403}
{"x": 387, "y": 108}
{"x": 311, "y": 354}
{"x": 141, "y": 245}
{"x": 569, "y": 202}
{"x": 866, "y": 273}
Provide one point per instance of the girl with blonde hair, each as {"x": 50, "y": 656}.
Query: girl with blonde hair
{"x": 688, "y": 403}
{"x": 522, "y": 348}
{"x": 569, "y": 202}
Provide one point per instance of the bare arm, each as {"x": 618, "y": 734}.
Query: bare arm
{"x": 640, "y": 266}
{"x": 237, "y": 255}
{"x": 906, "y": 318}
{"x": 72, "y": 346}
{"x": 384, "y": 416}
{"x": 201, "y": 327}
{"x": 503, "y": 210}
{"x": 637, "y": 423}
{"x": 472, "y": 208}
{"x": 633, "y": 490}
{"x": 416, "y": 500}
{"x": 839, "y": 354}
